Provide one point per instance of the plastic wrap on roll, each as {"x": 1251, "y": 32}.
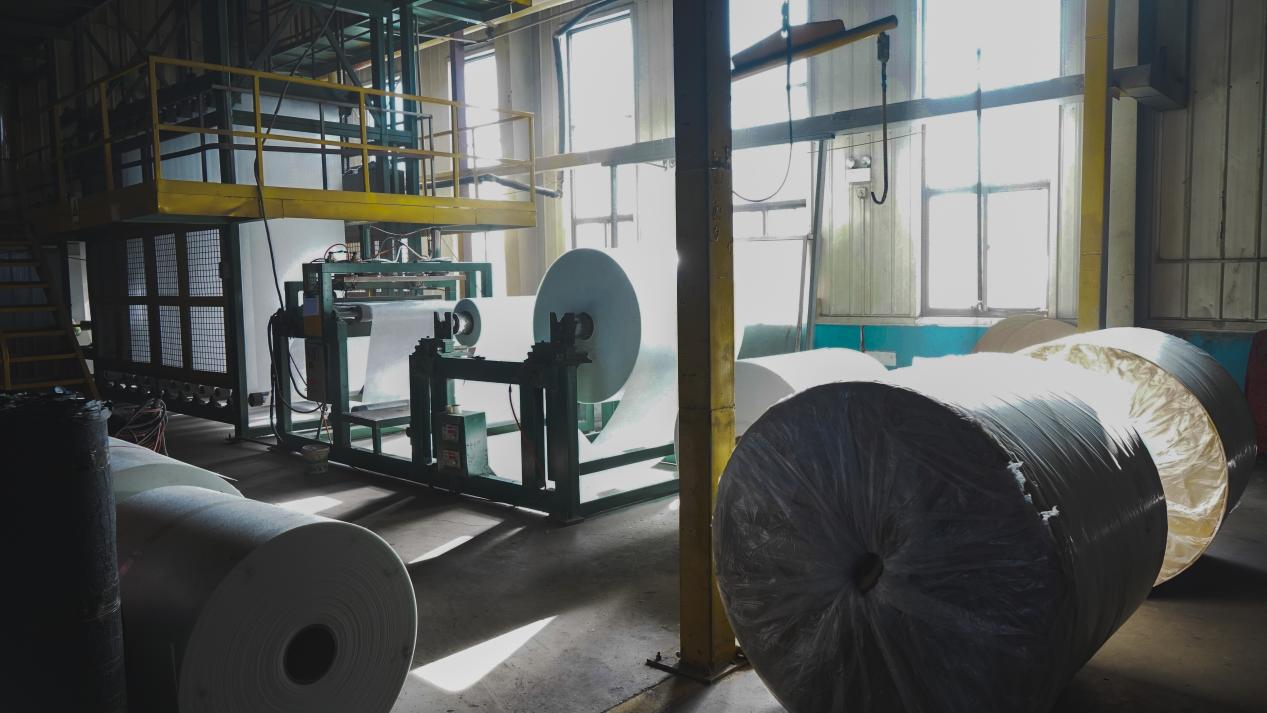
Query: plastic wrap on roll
{"x": 499, "y": 327}
{"x": 764, "y": 381}
{"x": 1209, "y": 382}
{"x": 138, "y": 469}
{"x": 235, "y": 605}
{"x": 394, "y": 333}
{"x": 960, "y": 538}
{"x": 1176, "y": 429}
{"x": 62, "y": 636}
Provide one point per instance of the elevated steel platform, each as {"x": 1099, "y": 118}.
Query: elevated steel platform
{"x": 195, "y": 202}
{"x": 122, "y": 150}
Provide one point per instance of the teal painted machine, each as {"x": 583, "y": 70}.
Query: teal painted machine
{"x": 448, "y": 445}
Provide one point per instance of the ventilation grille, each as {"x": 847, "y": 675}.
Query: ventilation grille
{"x": 206, "y": 338}
{"x": 203, "y": 258}
{"x": 139, "y": 334}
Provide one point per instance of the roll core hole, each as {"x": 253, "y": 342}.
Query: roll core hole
{"x": 868, "y": 571}
{"x": 310, "y": 654}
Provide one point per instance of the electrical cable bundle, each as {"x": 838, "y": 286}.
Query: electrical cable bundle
{"x": 148, "y": 426}
{"x": 960, "y": 538}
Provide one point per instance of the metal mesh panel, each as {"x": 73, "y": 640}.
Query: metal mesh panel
{"x": 202, "y": 250}
{"x": 169, "y": 336}
{"x": 138, "y": 333}
{"x": 206, "y": 336}
{"x": 167, "y": 274}
{"x": 137, "y": 285}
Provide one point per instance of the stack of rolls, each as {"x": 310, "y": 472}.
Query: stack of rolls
{"x": 962, "y": 536}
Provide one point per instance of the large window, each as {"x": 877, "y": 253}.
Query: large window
{"x": 600, "y": 114}
{"x": 989, "y": 175}
{"x": 485, "y": 142}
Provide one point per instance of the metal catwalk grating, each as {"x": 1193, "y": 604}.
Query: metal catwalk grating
{"x": 207, "y": 339}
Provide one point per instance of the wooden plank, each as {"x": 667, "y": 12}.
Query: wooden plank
{"x": 1244, "y": 155}
{"x": 1208, "y": 130}
{"x": 1203, "y": 290}
{"x": 1166, "y": 291}
{"x": 1171, "y": 150}
{"x": 907, "y": 225}
{"x": 881, "y": 233}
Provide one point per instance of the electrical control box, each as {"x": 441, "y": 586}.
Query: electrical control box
{"x": 461, "y": 444}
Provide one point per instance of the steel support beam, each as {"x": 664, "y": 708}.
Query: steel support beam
{"x": 1097, "y": 127}
{"x": 705, "y": 299}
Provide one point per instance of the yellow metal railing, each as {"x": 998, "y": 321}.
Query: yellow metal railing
{"x": 121, "y": 100}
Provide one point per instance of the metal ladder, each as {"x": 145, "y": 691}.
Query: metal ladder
{"x": 38, "y": 347}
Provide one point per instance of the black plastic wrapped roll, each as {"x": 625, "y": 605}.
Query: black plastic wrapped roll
{"x": 962, "y": 538}
{"x": 62, "y": 638}
{"x": 1217, "y": 391}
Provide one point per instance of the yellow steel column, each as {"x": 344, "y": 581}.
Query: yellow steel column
{"x": 705, "y": 294}
{"x": 1097, "y": 126}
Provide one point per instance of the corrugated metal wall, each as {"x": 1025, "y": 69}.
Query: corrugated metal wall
{"x": 1207, "y": 187}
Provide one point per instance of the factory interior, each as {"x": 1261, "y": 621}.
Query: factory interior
{"x": 634, "y": 356}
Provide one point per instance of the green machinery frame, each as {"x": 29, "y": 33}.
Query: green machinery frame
{"x": 330, "y": 332}
{"x": 547, "y": 409}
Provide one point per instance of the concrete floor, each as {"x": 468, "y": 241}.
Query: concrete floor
{"x": 517, "y": 614}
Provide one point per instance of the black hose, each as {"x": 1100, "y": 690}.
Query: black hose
{"x": 882, "y": 52}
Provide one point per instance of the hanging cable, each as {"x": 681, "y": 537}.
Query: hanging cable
{"x": 787, "y": 172}
{"x": 882, "y": 53}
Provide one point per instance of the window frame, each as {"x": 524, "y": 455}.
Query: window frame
{"x": 612, "y": 220}
{"x": 982, "y": 191}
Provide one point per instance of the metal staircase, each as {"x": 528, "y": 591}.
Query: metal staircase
{"x": 38, "y": 348}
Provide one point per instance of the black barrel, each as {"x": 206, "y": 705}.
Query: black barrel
{"x": 62, "y": 638}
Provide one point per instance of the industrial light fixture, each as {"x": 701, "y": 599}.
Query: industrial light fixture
{"x": 800, "y": 41}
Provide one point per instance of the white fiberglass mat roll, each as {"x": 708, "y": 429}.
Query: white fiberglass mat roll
{"x": 235, "y": 605}
{"x": 959, "y": 539}
{"x": 631, "y": 298}
{"x": 138, "y": 469}
{"x": 501, "y": 327}
{"x": 1012, "y": 334}
{"x": 1177, "y": 391}
{"x": 764, "y": 381}
{"x": 395, "y": 330}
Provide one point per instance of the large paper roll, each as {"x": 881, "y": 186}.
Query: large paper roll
{"x": 630, "y": 297}
{"x": 235, "y": 605}
{"x": 1177, "y": 392}
{"x": 762, "y": 382}
{"x": 960, "y": 539}
{"x": 1012, "y": 334}
{"x": 394, "y": 333}
{"x": 500, "y": 328}
{"x": 138, "y": 469}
